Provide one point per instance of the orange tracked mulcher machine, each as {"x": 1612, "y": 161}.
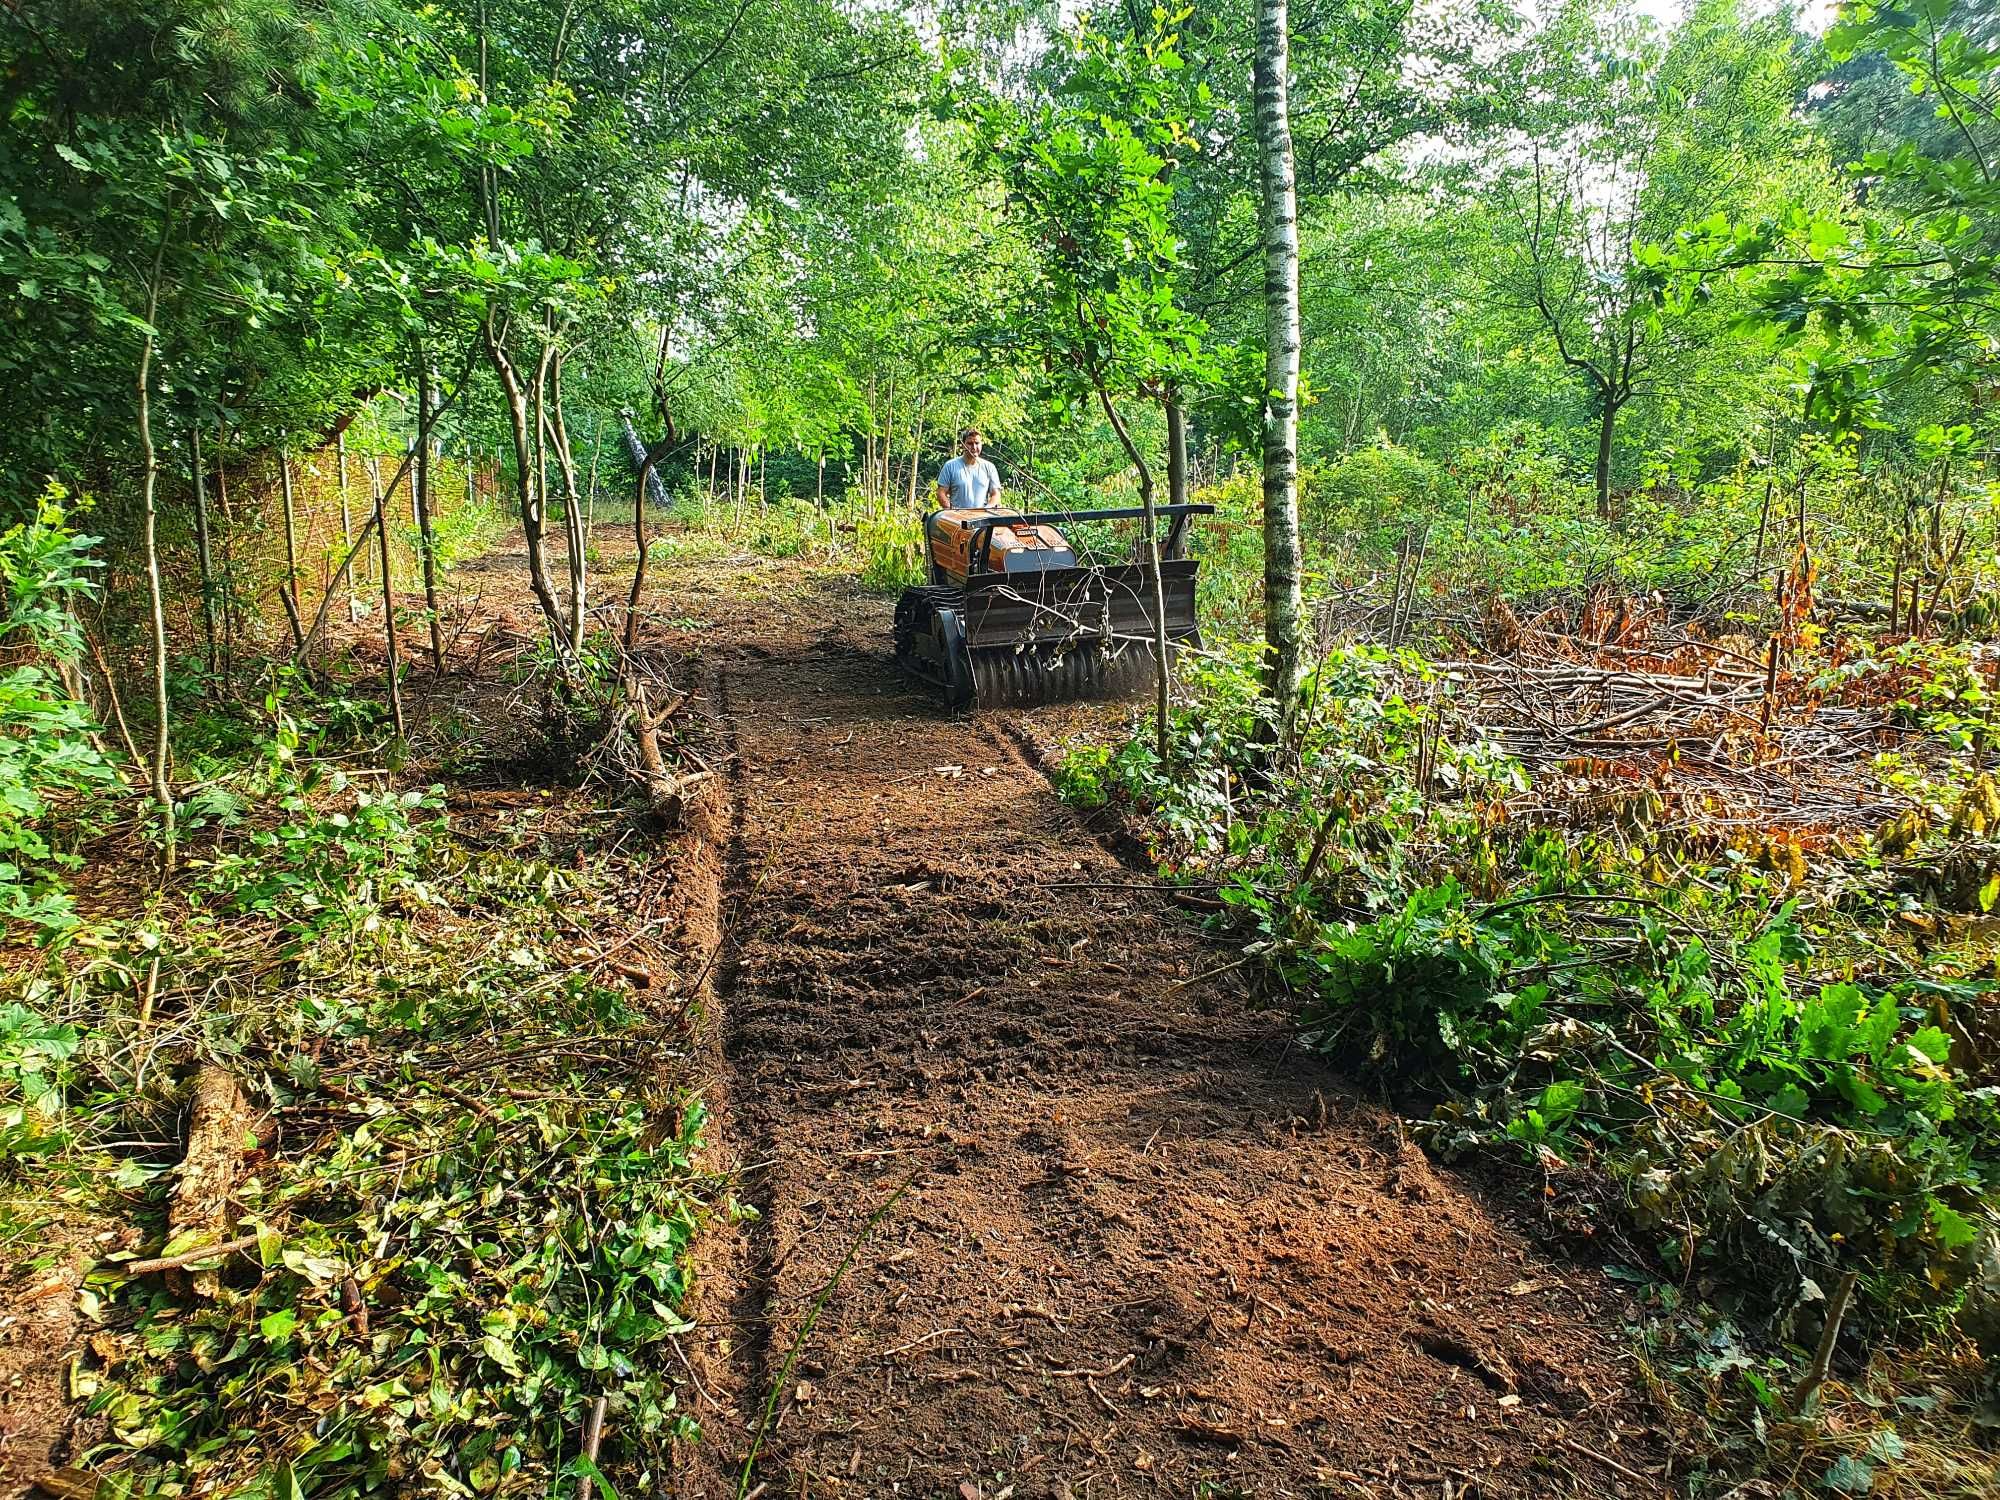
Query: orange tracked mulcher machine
{"x": 1012, "y": 616}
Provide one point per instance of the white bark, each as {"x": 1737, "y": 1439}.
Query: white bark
{"x": 1284, "y": 615}
{"x": 163, "y": 795}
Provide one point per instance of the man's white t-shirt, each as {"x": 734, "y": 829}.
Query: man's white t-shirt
{"x": 969, "y": 483}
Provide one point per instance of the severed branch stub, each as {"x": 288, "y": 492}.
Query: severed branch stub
{"x": 662, "y": 787}
{"x": 1829, "y": 1336}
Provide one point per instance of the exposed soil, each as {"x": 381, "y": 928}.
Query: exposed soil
{"x": 1041, "y": 1206}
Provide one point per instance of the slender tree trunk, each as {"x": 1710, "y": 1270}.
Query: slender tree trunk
{"x": 1177, "y": 455}
{"x": 228, "y": 590}
{"x": 590, "y": 500}
{"x": 916, "y": 451}
{"x": 393, "y": 668}
{"x": 883, "y": 481}
{"x": 1284, "y": 612}
{"x": 1149, "y": 539}
{"x": 529, "y": 491}
{"x": 204, "y": 556}
{"x": 558, "y": 438}
{"x": 1607, "y": 424}
{"x": 290, "y": 592}
{"x": 163, "y": 796}
{"x": 652, "y": 460}
{"x": 346, "y": 535}
{"x": 420, "y": 492}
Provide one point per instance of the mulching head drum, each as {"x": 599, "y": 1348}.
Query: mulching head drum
{"x": 1064, "y": 633}
{"x": 1003, "y": 678}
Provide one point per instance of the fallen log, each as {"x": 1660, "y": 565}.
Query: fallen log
{"x": 218, "y": 1124}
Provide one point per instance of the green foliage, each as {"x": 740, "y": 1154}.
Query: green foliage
{"x": 1091, "y": 177}
{"x": 1372, "y": 489}
{"x": 1899, "y": 299}
{"x": 50, "y": 761}
{"x": 1768, "y": 1117}
{"x": 491, "y": 1168}
{"x": 892, "y": 551}
{"x": 34, "y": 1073}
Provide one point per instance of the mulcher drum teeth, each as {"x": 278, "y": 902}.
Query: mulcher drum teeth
{"x": 1026, "y": 678}
{"x": 1050, "y": 637}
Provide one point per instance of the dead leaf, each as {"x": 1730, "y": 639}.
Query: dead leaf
{"x": 967, "y": 1490}
{"x": 68, "y": 1484}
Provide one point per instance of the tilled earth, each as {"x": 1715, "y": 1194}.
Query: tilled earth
{"x": 1041, "y": 1206}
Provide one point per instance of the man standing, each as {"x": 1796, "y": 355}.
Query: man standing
{"x": 968, "y": 480}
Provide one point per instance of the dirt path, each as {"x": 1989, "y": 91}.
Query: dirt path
{"x": 1099, "y": 1235}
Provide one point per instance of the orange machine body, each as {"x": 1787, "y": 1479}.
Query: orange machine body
{"x": 955, "y": 539}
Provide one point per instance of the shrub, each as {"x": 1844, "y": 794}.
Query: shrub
{"x": 50, "y": 760}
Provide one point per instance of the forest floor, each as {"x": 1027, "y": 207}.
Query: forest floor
{"x": 1041, "y": 1206}
{"x": 1031, "y": 1200}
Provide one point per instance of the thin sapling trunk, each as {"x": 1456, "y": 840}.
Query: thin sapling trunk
{"x": 1150, "y": 541}
{"x": 163, "y": 797}
{"x": 204, "y": 556}
{"x": 393, "y": 668}
{"x": 420, "y": 498}
{"x": 290, "y": 592}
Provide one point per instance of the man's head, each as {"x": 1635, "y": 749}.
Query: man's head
{"x": 969, "y": 443}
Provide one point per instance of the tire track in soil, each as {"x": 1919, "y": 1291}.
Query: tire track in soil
{"x": 1142, "y": 1251}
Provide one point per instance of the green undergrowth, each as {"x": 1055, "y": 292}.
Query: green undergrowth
{"x": 882, "y": 543}
{"x": 466, "y": 1165}
{"x": 1742, "y": 1067}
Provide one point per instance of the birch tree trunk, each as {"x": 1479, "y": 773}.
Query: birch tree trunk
{"x": 163, "y": 796}
{"x": 1284, "y": 623}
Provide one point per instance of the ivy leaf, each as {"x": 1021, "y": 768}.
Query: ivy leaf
{"x": 1850, "y": 1476}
